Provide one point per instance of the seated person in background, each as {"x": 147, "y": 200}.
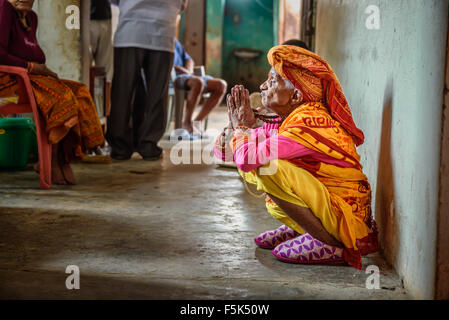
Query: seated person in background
{"x": 195, "y": 85}
{"x": 71, "y": 119}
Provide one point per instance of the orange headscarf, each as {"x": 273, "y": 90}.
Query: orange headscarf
{"x": 317, "y": 81}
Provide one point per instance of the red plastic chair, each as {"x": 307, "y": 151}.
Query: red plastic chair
{"x": 27, "y": 104}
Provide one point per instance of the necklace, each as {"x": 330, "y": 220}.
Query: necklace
{"x": 24, "y": 21}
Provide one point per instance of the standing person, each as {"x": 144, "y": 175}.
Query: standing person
{"x": 101, "y": 41}
{"x": 144, "y": 40}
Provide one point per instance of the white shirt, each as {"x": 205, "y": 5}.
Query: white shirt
{"x": 147, "y": 24}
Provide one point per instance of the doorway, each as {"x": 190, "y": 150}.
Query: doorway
{"x": 247, "y": 36}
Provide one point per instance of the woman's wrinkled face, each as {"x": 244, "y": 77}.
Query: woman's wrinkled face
{"x": 22, "y": 5}
{"x": 279, "y": 95}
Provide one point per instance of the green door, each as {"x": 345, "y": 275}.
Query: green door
{"x": 247, "y": 37}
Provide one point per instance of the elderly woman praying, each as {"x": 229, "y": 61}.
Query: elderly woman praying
{"x": 71, "y": 118}
{"x": 304, "y": 159}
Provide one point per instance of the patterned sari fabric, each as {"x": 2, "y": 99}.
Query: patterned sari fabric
{"x": 317, "y": 81}
{"x": 349, "y": 190}
{"x": 68, "y": 110}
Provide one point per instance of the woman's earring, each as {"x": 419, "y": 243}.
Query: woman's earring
{"x": 298, "y": 95}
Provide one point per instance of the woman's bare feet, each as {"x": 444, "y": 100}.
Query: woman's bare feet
{"x": 57, "y": 177}
{"x": 61, "y": 172}
{"x": 68, "y": 173}
{"x": 57, "y": 173}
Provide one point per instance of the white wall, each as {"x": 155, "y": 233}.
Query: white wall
{"x": 62, "y": 46}
{"x": 393, "y": 79}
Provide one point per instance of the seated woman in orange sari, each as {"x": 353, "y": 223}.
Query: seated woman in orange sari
{"x": 306, "y": 163}
{"x": 71, "y": 118}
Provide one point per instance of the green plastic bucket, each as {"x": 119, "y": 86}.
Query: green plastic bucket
{"x": 16, "y": 139}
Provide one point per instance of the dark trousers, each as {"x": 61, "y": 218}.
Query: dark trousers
{"x": 140, "y": 90}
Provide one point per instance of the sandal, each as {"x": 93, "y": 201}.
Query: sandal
{"x": 306, "y": 249}
{"x": 270, "y": 239}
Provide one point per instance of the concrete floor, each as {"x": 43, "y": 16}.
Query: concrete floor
{"x": 155, "y": 230}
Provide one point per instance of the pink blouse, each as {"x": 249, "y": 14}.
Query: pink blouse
{"x": 265, "y": 145}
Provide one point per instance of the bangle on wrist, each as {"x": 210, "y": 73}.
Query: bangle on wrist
{"x": 243, "y": 128}
{"x": 30, "y": 67}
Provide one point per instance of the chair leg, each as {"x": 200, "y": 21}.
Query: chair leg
{"x": 44, "y": 153}
{"x": 205, "y": 123}
{"x": 171, "y": 106}
{"x": 180, "y": 95}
